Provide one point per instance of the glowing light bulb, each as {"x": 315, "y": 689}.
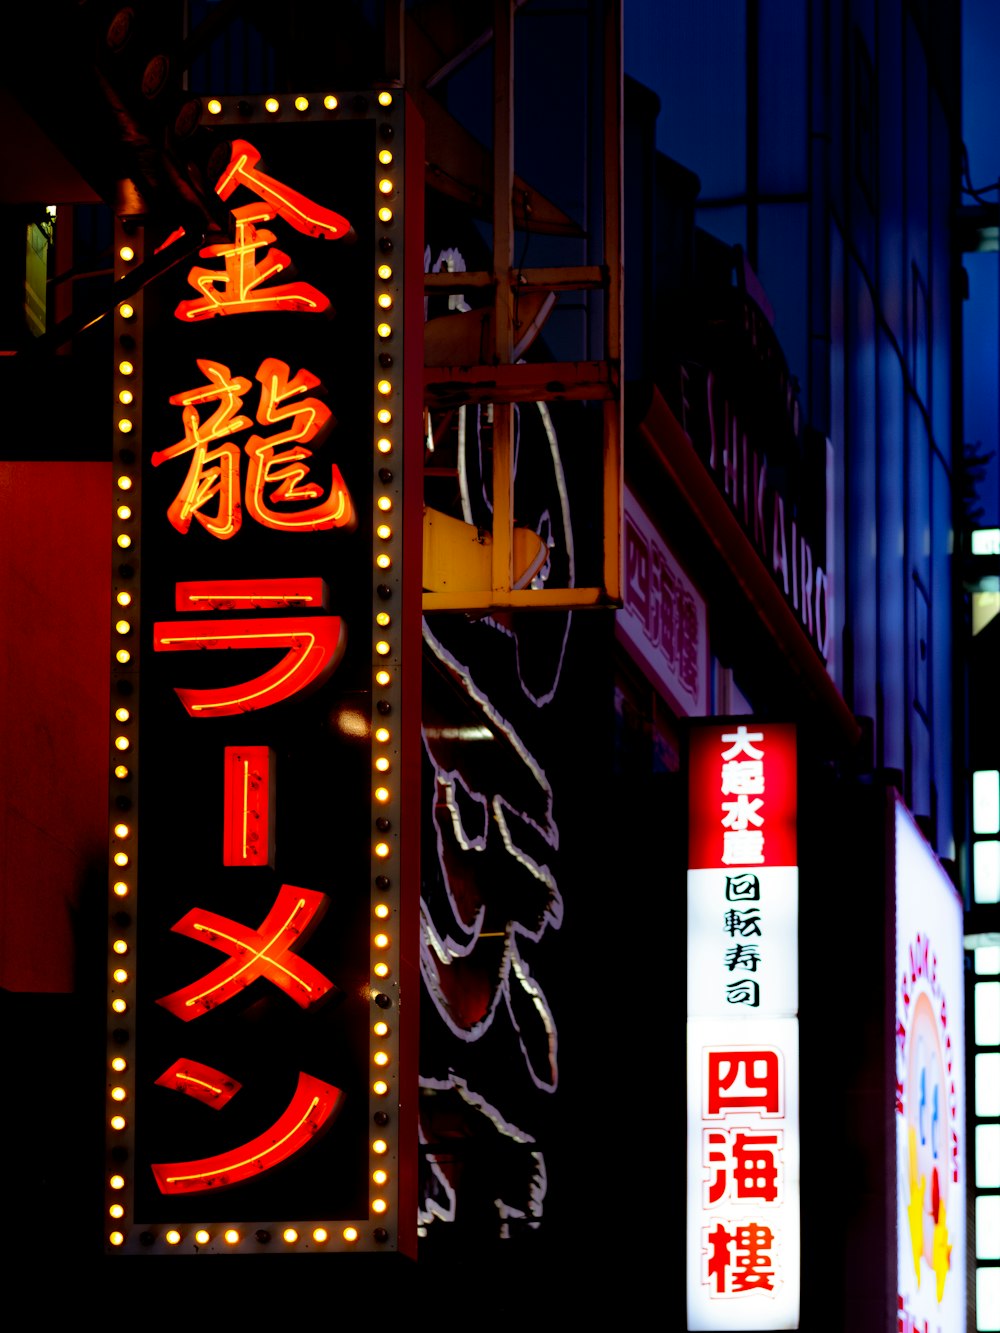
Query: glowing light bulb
{"x": 381, "y": 942}
{"x": 385, "y": 186}
{"x": 122, "y": 830}
{"x": 381, "y": 1028}
{"x": 271, "y": 105}
{"x": 120, "y": 888}
{"x": 381, "y": 1058}
{"x": 116, "y": 1210}
{"x": 124, "y": 425}
{"x": 231, "y": 1236}
{"x": 124, "y": 512}
{"x": 123, "y": 627}
{"x": 172, "y": 1237}
{"x": 384, "y": 503}
{"x": 120, "y": 976}
{"x": 381, "y": 911}
{"x": 289, "y": 1235}
{"x": 321, "y": 1235}
{"x": 385, "y": 156}
{"x": 124, "y": 541}
{"x": 379, "y": 1205}
{"x": 124, "y": 483}
{"x": 382, "y": 648}
{"x": 350, "y": 1234}
{"x": 385, "y": 330}
{"x": 120, "y": 946}
{"x": 124, "y": 599}
{"x": 119, "y": 1005}
{"x": 385, "y": 300}
{"x": 302, "y": 104}
{"x": 121, "y": 858}
{"x": 202, "y": 1237}
{"x": 382, "y": 794}
{"x": 385, "y": 99}
{"x": 125, "y": 396}
{"x": 384, "y": 272}
{"x": 383, "y": 561}
{"x": 116, "y": 1238}
{"x": 119, "y": 1063}
{"x": 383, "y": 445}
{"x": 380, "y": 1146}
{"x": 382, "y": 618}
{"x": 384, "y": 387}
{"x": 385, "y": 214}
{"x": 382, "y": 764}
{"x": 214, "y": 106}
{"x": 380, "y": 1177}
{"x": 384, "y": 415}
{"x": 381, "y": 969}
{"x": 121, "y": 742}
{"x": 126, "y": 310}
{"x": 382, "y": 678}
{"x": 382, "y": 850}
{"x": 383, "y": 532}
{"x": 125, "y": 367}
{"x": 117, "y": 1182}
{"x": 117, "y": 1122}
{"x": 330, "y": 102}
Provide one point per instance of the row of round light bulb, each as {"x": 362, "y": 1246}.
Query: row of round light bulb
{"x": 123, "y": 611}
{"x": 273, "y": 105}
{"x": 232, "y": 1235}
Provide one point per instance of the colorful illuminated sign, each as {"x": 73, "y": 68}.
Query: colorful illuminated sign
{"x": 930, "y": 1088}
{"x": 266, "y": 704}
{"x": 742, "y": 1004}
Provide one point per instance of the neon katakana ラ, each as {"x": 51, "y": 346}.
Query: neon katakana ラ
{"x": 239, "y": 287}
{"x": 277, "y": 467}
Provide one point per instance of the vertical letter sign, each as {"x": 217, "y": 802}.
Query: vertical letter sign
{"x": 742, "y": 1004}
{"x": 265, "y": 697}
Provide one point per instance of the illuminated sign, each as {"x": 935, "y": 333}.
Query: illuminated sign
{"x": 663, "y": 621}
{"x": 261, "y": 1069}
{"x": 743, "y": 1046}
{"x": 930, "y": 1089}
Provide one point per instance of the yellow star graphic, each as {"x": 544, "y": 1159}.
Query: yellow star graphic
{"x": 915, "y": 1208}
{"x": 941, "y": 1251}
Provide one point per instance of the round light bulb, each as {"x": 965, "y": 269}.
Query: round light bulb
{"x": 125, "y": 367}
{"x": 271, "y": 105}
{"x": 383, "y": 561}
{"x": 384, "y": 272}
{"x": 382, "y": 794}
{"x": 385, "y": 99}
{"x": 172, "y": 1237}
{"x": 382, "y": 678}
{"x": 350, "y": 1234}
{"x": 124, "y": 541}
{"x": 330, "y": 102}
{"x": 385, "y": 214}
{"x": 385, "y": 156}
{"x": 125, "y": 396}
{"x": 302, "y": 104}
{"x": 117, "y": 1182}
{"x": 214, "y": 106}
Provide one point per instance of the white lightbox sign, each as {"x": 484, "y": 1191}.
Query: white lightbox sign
{"x": 743, "y": 1242}
{"x": 930, "y": 1089}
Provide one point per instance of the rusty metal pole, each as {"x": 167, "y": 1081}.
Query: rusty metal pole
{"x": 503, "y": 259}
{"x": 614, "y": 148}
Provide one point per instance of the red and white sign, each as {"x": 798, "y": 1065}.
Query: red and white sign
{"x": 663, "y": 622}
{"x": 743, "y": 1117}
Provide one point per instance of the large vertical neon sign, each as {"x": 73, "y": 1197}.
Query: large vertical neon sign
{"x": 260, "y": 903}
{"x": 742, "y": 1004}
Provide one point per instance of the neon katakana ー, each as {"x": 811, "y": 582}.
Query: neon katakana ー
{"x": 277, "y": 463}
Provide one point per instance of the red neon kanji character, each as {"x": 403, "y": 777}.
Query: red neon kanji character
{"x": 276, "y": 460}
{"x": 315, "y": 646}
{"x": 755, "y": 1168}
{"x": 213, "y": 473}
{"x": 264, "y": 952}
{"x": 312, "y": 1108}
{"x": 753, "y": 1266}
{"x": 759, "y": 1088}
{"x": 239, "y": 287}
{"x": 752, "y": 1269}
{"x": 716, "y": 1157}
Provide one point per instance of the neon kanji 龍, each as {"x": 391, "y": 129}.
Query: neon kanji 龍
{"x": 277, "y": 467}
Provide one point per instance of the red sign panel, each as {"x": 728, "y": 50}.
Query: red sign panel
{"x": 742, "y": 808}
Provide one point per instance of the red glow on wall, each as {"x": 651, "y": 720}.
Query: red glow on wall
{"x": 312, "y": 1107}
{"x": 315, "y": 647}
{"x": 248, "y": 806}
{"x": 202, "y": 1082}
{"x": 265, "y": 952}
